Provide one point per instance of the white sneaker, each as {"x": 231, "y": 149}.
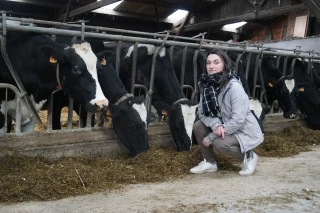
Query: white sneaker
{"x": 203, "y": 167}
{"x": 249, "y": 164}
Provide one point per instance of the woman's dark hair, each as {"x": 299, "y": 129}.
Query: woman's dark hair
{"x": 228, "y": 64}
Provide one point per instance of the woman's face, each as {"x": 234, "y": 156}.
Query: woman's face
{"x": 214, "y": 64}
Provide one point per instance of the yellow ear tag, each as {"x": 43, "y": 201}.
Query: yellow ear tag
{"x": 103, "y": 61}
{"x": 301, "y": 89}
{"x": 164, "y": 112}
{"x": 270, "y": 84}
{"x": 53, "y": 60}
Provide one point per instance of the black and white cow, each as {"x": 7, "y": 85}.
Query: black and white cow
{"x": 278, "y": 87}
{"x": 129, "y": 114}
{"x": 30, "y": 56}
{"x": 167, "y": 95}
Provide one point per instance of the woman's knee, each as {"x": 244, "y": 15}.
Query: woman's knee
{"x": 199, "y": 129}
{"x": 219, "y": 145}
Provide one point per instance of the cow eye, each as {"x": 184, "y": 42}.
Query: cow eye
{"x": 76, "y": 69}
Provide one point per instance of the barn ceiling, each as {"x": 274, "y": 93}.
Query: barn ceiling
{"x": 145, "y": 15}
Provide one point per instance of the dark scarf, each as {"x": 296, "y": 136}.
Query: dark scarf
{"x": 211, "y": 89}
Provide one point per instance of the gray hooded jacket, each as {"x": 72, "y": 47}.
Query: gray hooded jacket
{"x": 236, "y": 117}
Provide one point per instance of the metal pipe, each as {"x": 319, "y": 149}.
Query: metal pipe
{"x": 292, "y": 66}
{"x": 284, "y": 69}
{"x": 278, "y": 62}
{"x": 118, "y": 55}
{"x": 5, "y": 112}
{"x": 70, "y": 113}
{"x": 89, "y": 119}
{"x": 17, "y": 128}
{"x": 195, "y": 75}
{"x": 256, "y": 69}
{"x": 97, "y": 28}
{"x": 248, "y": 65}
{"x": 140, "y": 40}
{"x": 134, "y": 67}
{"x": 183, "y": 66}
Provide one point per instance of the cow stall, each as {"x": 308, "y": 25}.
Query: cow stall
{"x": 101, "y": 141}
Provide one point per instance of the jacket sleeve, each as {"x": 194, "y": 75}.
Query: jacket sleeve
{"x": 212, "y": 122}
{"x": 239, "y": 102}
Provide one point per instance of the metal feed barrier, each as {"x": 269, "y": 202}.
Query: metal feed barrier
{"x": 161, "y": 39}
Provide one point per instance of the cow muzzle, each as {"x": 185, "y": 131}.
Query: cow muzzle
{"x": 289, "y": 115}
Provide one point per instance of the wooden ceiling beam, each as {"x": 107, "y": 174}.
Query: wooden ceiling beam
{"x": 87, "y": 8}
{"x": 246, "y": 17}
{"x": 38, "y": 3}
{"x": 166, "y": 4}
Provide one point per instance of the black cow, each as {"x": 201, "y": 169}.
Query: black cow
{"x": 308, "y": 100}
{"x": 278, "y": 87}
{"x": 167, "y": 95}
{"x": 30, "y": 55}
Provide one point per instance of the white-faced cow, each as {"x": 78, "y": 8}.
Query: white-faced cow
{"x": 167, "y": 95}
{"x": 77, "y": 69}
{"x": 129, "y": 114}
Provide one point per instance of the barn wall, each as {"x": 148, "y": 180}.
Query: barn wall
{"x": 233, "y": 8}
{"x": 279, "y": 28}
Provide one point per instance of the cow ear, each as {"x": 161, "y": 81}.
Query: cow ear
{"x": 105, "y": 57}
{"x": 52, "y": 55}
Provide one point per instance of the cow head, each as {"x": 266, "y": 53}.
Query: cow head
{"x": 181, "y": 118}
{"x": 286, "y": 91}
{"x": 77, "y": 74}
{"x": 129, "y": 119}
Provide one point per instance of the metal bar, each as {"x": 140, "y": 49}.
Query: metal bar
{"x": 248, "y": 65}
{"x": 183, "y": 66}
{"x": 82, "y": 29}
{"x": 89, "y": 119}
{"x": 5, "y": 112}
{"x": 49, "y": 114}
{"x": 284, "y": 69}
{"x": 195, "y": 75}
{"x": 278, "y": 62}
{"x": 118, "y": 55}
{"x": 171, "y": 53}
{"x": 256, "y": 70}
{"x": 17, "y": 127}
{"x": 263, "y": 91}
{"x": 80, "y": 121}
{"x": 134, "y": 67}
{"x": 292, "y": 66}
{"x": 141, "y": 40}
{"x": 70, "y": 113}
{"x": 96, "y": 28}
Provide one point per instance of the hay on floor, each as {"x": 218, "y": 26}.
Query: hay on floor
{"x": 34, "y": 178}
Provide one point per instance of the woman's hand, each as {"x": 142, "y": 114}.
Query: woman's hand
{"x": 219, "y": 131}
{"x": 205, "y": 143}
